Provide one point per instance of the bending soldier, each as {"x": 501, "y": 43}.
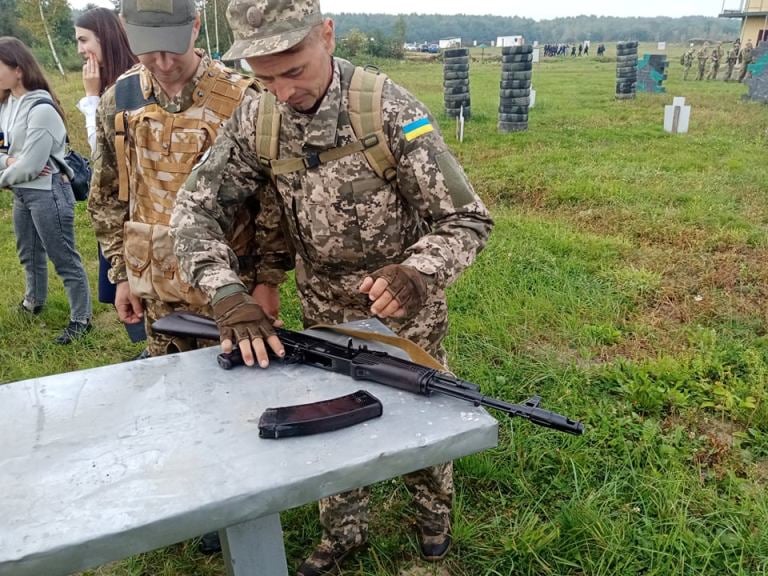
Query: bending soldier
{"x": 379, "y": 212}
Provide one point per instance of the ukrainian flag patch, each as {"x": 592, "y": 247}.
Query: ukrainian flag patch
{"x": 417, "y": 128}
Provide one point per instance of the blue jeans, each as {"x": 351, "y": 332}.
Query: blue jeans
{"x": 44, "y": 222}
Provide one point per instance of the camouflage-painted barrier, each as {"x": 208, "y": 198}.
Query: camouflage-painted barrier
{"x": 651, "y": 73}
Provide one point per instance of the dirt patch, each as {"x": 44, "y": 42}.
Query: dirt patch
{"x": 423, "y": 569}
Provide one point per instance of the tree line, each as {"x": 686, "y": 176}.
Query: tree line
{"x": 47, "y": 26}
{"x": 484, "y": 29}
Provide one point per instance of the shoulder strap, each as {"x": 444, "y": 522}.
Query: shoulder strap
{"x": 267, "y": 130}
{"x": 128, "y": 96}
{"x": 416, "y": 352}
{"x": 47, "y": 101}
{"x": 365, "y": 91}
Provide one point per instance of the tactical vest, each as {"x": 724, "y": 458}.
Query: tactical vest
{"x": 365, "y": 88}
{"x": 156, "y": 151}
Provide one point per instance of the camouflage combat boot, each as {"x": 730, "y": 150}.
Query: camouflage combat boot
{"x": 326, "y": 559}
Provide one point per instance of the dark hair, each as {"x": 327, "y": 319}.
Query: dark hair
{"x": 15, "y": 54}
{"x": 116, "y": 55}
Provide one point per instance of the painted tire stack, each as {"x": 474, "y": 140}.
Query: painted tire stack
{"x": 651, "y": 72}
{"x": 456, "y": 82}
{"x": 626, "y": 70}
{"x": 758, "y": 83}
{"x": 515, "y": 93}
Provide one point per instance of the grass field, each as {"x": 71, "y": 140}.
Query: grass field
{"x": 625, "y": 282}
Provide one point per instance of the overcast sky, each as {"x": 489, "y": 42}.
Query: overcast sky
{"x": 537, "y": 10}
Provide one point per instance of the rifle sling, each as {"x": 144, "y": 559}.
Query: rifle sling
{"x": 416, "y": 352}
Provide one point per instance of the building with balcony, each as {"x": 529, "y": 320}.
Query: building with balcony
{"x": 753, "y": 15}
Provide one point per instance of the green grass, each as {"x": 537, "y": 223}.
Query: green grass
{"x": 625, "y": 282}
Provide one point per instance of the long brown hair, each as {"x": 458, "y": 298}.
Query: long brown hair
{"x": 15, "y": 54}
{"x": 116, "y": 55}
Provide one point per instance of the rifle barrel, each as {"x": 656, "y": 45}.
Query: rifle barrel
{"x": 535, "y": 414}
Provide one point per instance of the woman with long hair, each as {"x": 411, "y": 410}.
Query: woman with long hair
{"x": 102, "y": 43}
{"x": 32, "y": 165}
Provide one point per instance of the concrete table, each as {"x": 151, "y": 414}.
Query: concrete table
{"x": 101, "y": 464}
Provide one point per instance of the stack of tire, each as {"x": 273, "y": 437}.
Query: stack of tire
{"x": 456, "y": 82}
{"x": 758, "y": 82}
{"x": 515, "y": 93}
{"x": 626, "y": 70}
{"x": 651, "y": 73}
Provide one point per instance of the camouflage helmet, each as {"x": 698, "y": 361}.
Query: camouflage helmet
{"x": 263, "y": 27}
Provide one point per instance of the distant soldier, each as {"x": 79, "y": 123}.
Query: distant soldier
{"x": 716, "y": 56}
{"x": 702, "y": 56}
{"x": 746, "y": 59}
{"x": 601, "y": 50}
{"x": 687, "y": 61}
{"x": 733, "y": 56}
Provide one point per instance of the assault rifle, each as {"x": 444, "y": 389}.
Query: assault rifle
{"x": 363, "y": 364}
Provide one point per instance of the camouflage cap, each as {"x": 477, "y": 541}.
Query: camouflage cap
{"x": 263, "y": 27}
{"x": 158, "y": 25}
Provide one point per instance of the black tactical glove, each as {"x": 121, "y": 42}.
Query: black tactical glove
{"x": 406, "y": 285}
{"x": 240, "y": 318}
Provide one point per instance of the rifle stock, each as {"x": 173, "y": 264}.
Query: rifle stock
{"x": 363, "y": 364}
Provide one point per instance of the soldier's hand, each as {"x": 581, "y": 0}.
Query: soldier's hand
{"x": 242, "y": 321}
{"x": 268, "y": 297}
{"x": 129, "y": 308}
{"x": 396, "y": 290}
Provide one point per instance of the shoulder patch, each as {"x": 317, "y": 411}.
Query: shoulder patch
{"x": 417, "y": 128}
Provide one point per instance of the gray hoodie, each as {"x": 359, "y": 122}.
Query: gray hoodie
{"x": 37, "y": 138}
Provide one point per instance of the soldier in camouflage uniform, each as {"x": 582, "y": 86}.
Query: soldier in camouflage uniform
{"x": 687, "y": 61}
{"x": 746, "y": 59}
{"x": 715, "y": 57}
{"x": 365, "y": 244}
{"x": 702, "y": 56}
{"x": 137, "y": 174}
{"x": 731, "y": 58}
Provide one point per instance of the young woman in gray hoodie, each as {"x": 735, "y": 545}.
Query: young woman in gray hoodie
{"x": 32, "y": 165}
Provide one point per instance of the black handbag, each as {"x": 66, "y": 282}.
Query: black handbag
{"x": 80, "y": 166}
{"x": 81, "y": 180}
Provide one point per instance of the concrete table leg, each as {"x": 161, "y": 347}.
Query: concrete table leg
{"x": 255, "y": 548}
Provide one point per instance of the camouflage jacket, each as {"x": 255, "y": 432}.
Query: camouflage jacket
{"x": 108, "y": 214}
{"x": 341, "y": 219}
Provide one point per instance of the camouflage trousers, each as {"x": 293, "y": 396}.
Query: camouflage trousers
{"x": 334, "y": 300}
{"x": 160, "y": 344}
{"x": 344, "y": 517}
{"x": 702, "y": 70}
